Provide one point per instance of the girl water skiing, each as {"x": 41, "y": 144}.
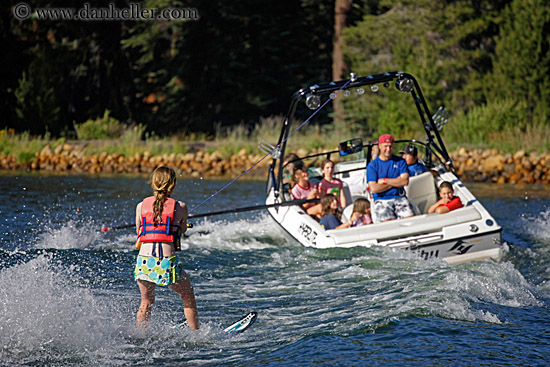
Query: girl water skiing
{"x": 160, "y": 222}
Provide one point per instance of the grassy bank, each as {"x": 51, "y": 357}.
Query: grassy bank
{"x": 227, "y": 141}
{"x": 129, "y": 142}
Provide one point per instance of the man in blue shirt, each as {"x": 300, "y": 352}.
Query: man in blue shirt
{"x": 410, "y": 155}
{"x": 387, "y": 176}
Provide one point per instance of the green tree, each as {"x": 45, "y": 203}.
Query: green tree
{"x": 36, "y": 98}
{"x": 75, "y": 70}
{"x": 445, "y": 45}
{"x": 522, "y": 59}
{"x": 240, "y": 60}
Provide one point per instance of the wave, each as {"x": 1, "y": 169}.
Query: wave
{"x": 44, "y": 308}
{"x": 257, "y": 233}
{"x": 538, "y": 225}
{"x": 51, "y": 313}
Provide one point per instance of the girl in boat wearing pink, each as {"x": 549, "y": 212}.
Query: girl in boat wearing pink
{"x": 361, "y": 213}
{"x": 331, "y": 185}
{"x": 160, "y": 222}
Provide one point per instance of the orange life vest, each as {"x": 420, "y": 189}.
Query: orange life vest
{"x": 165, "y": 231}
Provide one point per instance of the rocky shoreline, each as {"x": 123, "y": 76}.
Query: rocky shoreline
{"x": 491, "y": 166}
{"x": 471, "y": 165}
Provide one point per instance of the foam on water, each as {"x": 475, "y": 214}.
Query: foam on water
{"x": 73, "y": 300}
{"x": 241, "y": 235}
{"x": 531, "y": 257}
{"x": 384, "y": 285}
{"x": 399, "y": 280}
{"x": 72, "y": 235}
{"x": 43, "y": 308}
{"x": 49, "y": 314}
{"x": 539, "y": 225}
{"x": 82, "y": 235}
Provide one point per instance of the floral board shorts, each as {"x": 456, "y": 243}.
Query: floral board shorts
{"x": 393, "y": 209}
{"x": 163, "y": 271}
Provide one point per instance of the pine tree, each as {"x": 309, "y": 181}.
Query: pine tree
{"x": 522, "y": 57}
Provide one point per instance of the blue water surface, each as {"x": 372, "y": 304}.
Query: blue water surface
{"x": 68, "y": 298}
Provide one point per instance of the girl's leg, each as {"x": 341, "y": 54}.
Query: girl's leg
{"x": 184, "y": 288}
{"x": 147, "y": 290}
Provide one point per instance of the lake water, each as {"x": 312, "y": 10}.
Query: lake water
{"x": 68, "y": 298}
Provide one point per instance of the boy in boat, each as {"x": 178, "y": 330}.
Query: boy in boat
{"x": 447, "y": 202}
{"x": 303, "y": 189}
{"x": 291, "y": 162}
{"x": 410, "y": 155}
{"x": 387, "y": 175}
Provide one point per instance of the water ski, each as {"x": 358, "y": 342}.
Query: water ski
{"x": 237, "y": 327}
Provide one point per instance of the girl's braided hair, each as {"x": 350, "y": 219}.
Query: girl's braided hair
{"x": 162, "y": 181}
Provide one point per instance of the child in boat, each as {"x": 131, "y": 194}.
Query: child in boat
{"x": 291, "y": 162}
{"x": 302, "y": 188}
{"x": 330, "y": 216}
{"x": 361, "y": 213}
{"x": 448, "y": 201}
{"x": 331, "y": 185}
{"x": 158, "y": 241}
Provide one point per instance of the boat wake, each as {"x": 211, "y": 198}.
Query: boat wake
{"x": 55, "y": 313}
{"x": 538, "y": 226}
{"x": 73, "y": 235}
{"x": 47, "y": 308}
{"x": 257, "y": 233}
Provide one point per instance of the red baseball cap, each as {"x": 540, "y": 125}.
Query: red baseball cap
{"x": 386, "y": 138}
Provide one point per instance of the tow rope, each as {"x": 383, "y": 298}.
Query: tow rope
{"x": 273, "y": 150}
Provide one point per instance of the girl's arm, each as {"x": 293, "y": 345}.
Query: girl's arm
{"x": 321, "y": 191}
{"x": 138, "y": 217}
{"x": 347, "y": 224}
{"x": 343, "y": 197}
{"x": 183, "y": 220}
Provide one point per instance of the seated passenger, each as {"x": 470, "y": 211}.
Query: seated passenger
{"x": 448, "y": 201}
{"x": 331, "y": 185}
{"x": 410, "y": 155}
{"x": 290, "y": 162}
{"x": 303, "y": 189}
{"x": 330, "y": 216}
{"x": 361, "y": 213}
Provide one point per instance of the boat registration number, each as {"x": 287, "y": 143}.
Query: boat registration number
{"x": 307, "y": 232}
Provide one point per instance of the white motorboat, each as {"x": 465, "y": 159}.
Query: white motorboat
{"x": 462, "y": 235}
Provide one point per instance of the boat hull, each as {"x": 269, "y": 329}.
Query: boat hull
{"x": 462, "y": 236}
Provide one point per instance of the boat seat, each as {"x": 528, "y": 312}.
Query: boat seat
{"x": 421, "y": 191}
{"x": 347, "y": 194}
{"x": 346, "y": 213}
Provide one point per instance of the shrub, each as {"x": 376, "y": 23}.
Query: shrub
{"x": 105, "y": 127}
{"x": 481, "y": 123}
